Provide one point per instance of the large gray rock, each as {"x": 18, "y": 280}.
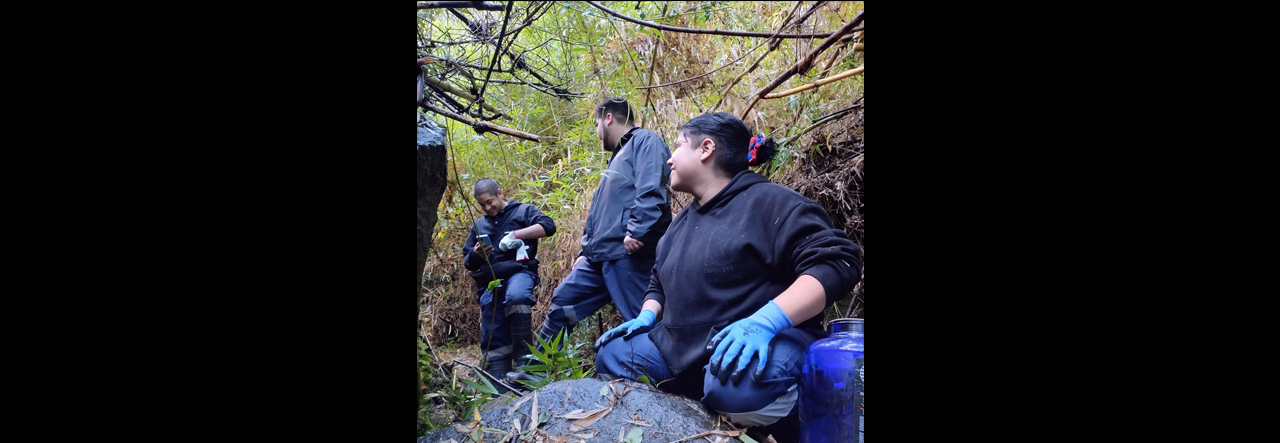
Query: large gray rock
{"x": 430, "y": 134}
{"x": 431, "y": 184}
{"x": 662, "y": 417}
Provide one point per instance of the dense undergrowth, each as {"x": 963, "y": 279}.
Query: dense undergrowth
{"x": 601, "y": 56}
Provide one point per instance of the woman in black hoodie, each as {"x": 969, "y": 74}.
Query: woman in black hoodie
{"x": 741, "y": 280}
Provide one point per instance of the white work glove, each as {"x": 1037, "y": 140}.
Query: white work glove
{"x": 510, "y": 242}
{"x": 523, "y": 253}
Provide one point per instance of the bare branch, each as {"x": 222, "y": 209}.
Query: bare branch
{"x": 480, "y": 40}
{"x": 517, "y": 62}
{"x": 772, "y": 46}
{"x": 482, "y": 68}
{"x": 842, "y": 111}
{"x": 804, "y": 63}
{"x": 492, "y": 378}
{"x": 460, "y": 93}
{"x": 819, "y": 122}
{"x": 481, "y": 127}
{"x": 657, "y": 47}
{"x": 700, "y": 31}
{"x": 496, "y": 54}
{"x": 834, "y": 78}
{"x": 483, "y": 6}
{"x": 713, "y": 71}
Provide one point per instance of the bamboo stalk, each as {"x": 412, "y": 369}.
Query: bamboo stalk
{"x": 831, "y": 79}
{"x": 483, "y": 6}
{"x": 461, "y": 93}
{"x": 506, "y": 130}
{"x": 804, "y": 63}
{"x": 663, "y": 27}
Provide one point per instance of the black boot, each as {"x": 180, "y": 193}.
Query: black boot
{"x": 499, "y": 369}
{"x": 514, "y": 377}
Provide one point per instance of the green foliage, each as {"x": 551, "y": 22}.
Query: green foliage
{"x": 581, "y": 48}
{"x": 450, "y": 402}
{"x": 555, "y": 364}
{"x": 635, "y": 435}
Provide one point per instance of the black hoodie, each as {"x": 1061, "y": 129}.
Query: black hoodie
{"x": 513, "y": 216}
{"x": 721, "y": 261}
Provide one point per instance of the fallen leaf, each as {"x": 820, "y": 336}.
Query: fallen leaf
{"x": 604, "y": 390}
{"x": 586, "y": 435}
{"x": 704, "y": 434}
{"x": 746, "y": 439}
{"x": 533, "y": 417}
{"x": 558, "y": 439}
{"x": 625, "y": 390}
{"x": 638, "y": 422}
{"x": 634, "y": 436}
{"x": 461, "y": 429}
{"x": 587, "y": 421}
{"x": 515, "y": 425}
{"x": 580, "y": 414}
{"x": 517, "y": 405}
{"x": 572, "y": 413}
{"x": 476, "y": 412}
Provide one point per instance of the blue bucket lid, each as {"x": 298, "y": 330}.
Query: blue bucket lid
{"x": 845, "y": 325}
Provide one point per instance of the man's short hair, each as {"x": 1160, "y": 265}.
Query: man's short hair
{"x": 619, "y": 108}
{"x": 484, "y": 186}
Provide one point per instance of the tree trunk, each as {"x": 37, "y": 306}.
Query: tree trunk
{"x": 431, "y": 184}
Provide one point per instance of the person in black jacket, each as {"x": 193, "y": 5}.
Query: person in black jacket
{"x": 629, "y": 212}
{"x": 514, "y": 228}
{"x": 741, "y": 280}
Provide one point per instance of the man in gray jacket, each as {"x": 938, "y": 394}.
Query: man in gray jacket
{"x": 630, "y": 211}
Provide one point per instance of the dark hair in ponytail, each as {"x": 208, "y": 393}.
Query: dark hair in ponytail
{"x": 738, "y": 147}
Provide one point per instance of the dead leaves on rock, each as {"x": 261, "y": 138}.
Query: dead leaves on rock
{"x": 533, "y": 431}
{"x": 717, "y": 432}
{"x": 582, "y": 424}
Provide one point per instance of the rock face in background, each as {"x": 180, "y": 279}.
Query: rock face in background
{"x": 571, "y": 406}
{"x": 431, "y": 183}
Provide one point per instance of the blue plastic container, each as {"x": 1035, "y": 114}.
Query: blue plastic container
{"x": 831, "y": 386}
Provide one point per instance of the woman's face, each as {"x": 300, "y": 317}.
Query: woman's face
{"x": 685, "y": 163}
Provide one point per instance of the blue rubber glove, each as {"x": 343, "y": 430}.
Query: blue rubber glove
{"x": 628, "y": 329}
{"x": 747, "y": 337}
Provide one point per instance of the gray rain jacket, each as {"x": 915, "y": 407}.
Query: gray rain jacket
{"x": 632, "y": 199}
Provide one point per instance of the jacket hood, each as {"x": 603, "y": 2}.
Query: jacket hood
{"x": 745, "y": 179}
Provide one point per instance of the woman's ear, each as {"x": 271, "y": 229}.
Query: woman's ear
{"x": 705, "y": 149}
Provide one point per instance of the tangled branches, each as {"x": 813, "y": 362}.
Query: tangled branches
{"x": 457, "y": 86}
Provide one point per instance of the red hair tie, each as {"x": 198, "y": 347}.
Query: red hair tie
{"x": 755, "y": 143}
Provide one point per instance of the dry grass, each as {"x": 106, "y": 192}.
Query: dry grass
{"x": 829, "y": 171}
